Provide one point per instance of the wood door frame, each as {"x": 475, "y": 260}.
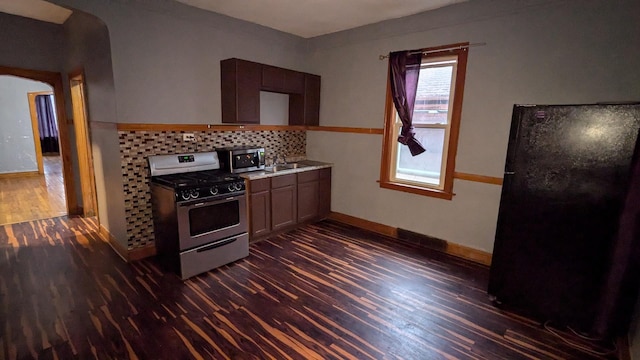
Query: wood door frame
{"x": 55, "y": 80}
{"x": 35, "y": 127}
{"x": 83, "y": 142}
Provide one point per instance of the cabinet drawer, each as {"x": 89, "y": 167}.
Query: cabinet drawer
{"x": 308, "y": 176}
{"x": 283, "y": 180}
{"x": 260, "y": 185}
{"x": 211, "y": 256}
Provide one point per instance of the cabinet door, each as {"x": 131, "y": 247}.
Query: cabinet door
{"x": 311, "y": 100}
{"x": 308, "y": 200}
{"x": 259, "y": 206}
{"x": 240, "y": 87}
{"x": 294, "y": 82}
{"x": 304, "y": 108}
{"x": 248, "y": 92}
{"x": 260, "y": 213}
{"x": 283, "y": 207}
{"x": 296, "y": 109}
{"x": 282, "y": 80}
{"x": 324, "y": 193}
{"x": 272, "y": 78}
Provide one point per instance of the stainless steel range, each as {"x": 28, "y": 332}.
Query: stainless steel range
{"x": 199, "y": 213}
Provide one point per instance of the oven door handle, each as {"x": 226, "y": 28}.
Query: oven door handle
{"x": 201, "y": 202}
{"x": 216, "y": 244}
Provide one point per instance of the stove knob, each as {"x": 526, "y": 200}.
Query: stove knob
{"x": 185, "y": 195}
{"x": 238, "y": 186}
{"x": 213, "y": 190}
{"x": 231, "y": 188}
{"x": 194, "y": 194}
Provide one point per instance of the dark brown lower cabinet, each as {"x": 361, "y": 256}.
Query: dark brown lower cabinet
{"x": 283, "y": 201}
{"x": 260, "y": 205}
{"x": 324, "y": 193}
{"x": 308, "y": 186}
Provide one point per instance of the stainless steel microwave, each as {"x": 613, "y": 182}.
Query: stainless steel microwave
{"x": 241, "y": 158}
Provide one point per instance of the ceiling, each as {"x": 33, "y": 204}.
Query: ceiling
{"x": 309, "y": 18}
{"x": 36, "y": 9}
{"x": 305, "y": 18}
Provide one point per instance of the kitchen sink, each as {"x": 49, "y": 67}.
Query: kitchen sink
{"x": 289, "y": 166}
{"x": 276, "y": 168}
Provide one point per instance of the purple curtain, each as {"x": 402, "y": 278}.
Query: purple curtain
{"x": 404, "y": 69}
{"x": 47, "y": 124}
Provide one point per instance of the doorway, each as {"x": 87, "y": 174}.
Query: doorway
{"x": 64, "y": 166}
{"x": 30, "y": 188}
{"x": 83, "y": 144}
{"x": 44, "y": 124}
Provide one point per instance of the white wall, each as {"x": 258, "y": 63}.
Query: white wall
{"x": 17, "y": 145}
{"x": 544, "y": 52}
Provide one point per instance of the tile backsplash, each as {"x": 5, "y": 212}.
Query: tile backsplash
{"x": 136, "y": 146}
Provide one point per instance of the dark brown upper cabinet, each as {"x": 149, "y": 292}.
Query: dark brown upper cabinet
{"x": 242, "y": 81}
{"x": 304, "y": 109}
{"x": 240, "y": 85}
{"x": 281, "y": 80}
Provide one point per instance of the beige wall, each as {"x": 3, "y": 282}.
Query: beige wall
{"x": 166, "y": 57}
{"x": 468, "y": 219}
{"x": 30, "y": 44}
{"x": 109, "y": 180}
{"x": 540, "y": 52}
{"x": 88, "y": 48}
{"x": 165, "y": 61}
{"x": 157, "y": 62}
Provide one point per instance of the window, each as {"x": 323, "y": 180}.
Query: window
{"x": 436, "y": 121}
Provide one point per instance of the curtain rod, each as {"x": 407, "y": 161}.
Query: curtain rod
{"x": 382, "y": 57}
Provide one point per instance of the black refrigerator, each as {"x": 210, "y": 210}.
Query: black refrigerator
{"x": 567, "y": 178}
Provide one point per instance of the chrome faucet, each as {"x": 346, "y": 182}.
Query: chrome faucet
{"x": 280, "y": 160}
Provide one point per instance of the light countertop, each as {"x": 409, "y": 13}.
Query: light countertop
{"x": 304, "y": 165}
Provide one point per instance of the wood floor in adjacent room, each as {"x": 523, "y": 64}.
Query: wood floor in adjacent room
{"x": 33, "y": 197}
{"x": 325, "y": 291}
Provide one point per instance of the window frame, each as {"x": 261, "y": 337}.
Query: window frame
{"x": 390, "y": 142}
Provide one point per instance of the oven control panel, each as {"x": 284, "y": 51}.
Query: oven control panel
{"x": 236, "y": 187}
{"x": 186, "y": 159}
{"x": 189, "y": 194}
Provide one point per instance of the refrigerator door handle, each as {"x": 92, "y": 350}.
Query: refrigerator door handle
{"x": 509, "y": 172}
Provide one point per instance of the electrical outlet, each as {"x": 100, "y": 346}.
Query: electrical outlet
{"x": 188, "y": 137}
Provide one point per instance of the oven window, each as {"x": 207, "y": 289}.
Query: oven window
{"x": 210, "y": 218}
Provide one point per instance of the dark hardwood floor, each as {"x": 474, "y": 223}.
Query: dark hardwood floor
{"x": 325, "y": 291}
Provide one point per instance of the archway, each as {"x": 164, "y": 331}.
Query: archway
{"x": 55, "y": 80}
